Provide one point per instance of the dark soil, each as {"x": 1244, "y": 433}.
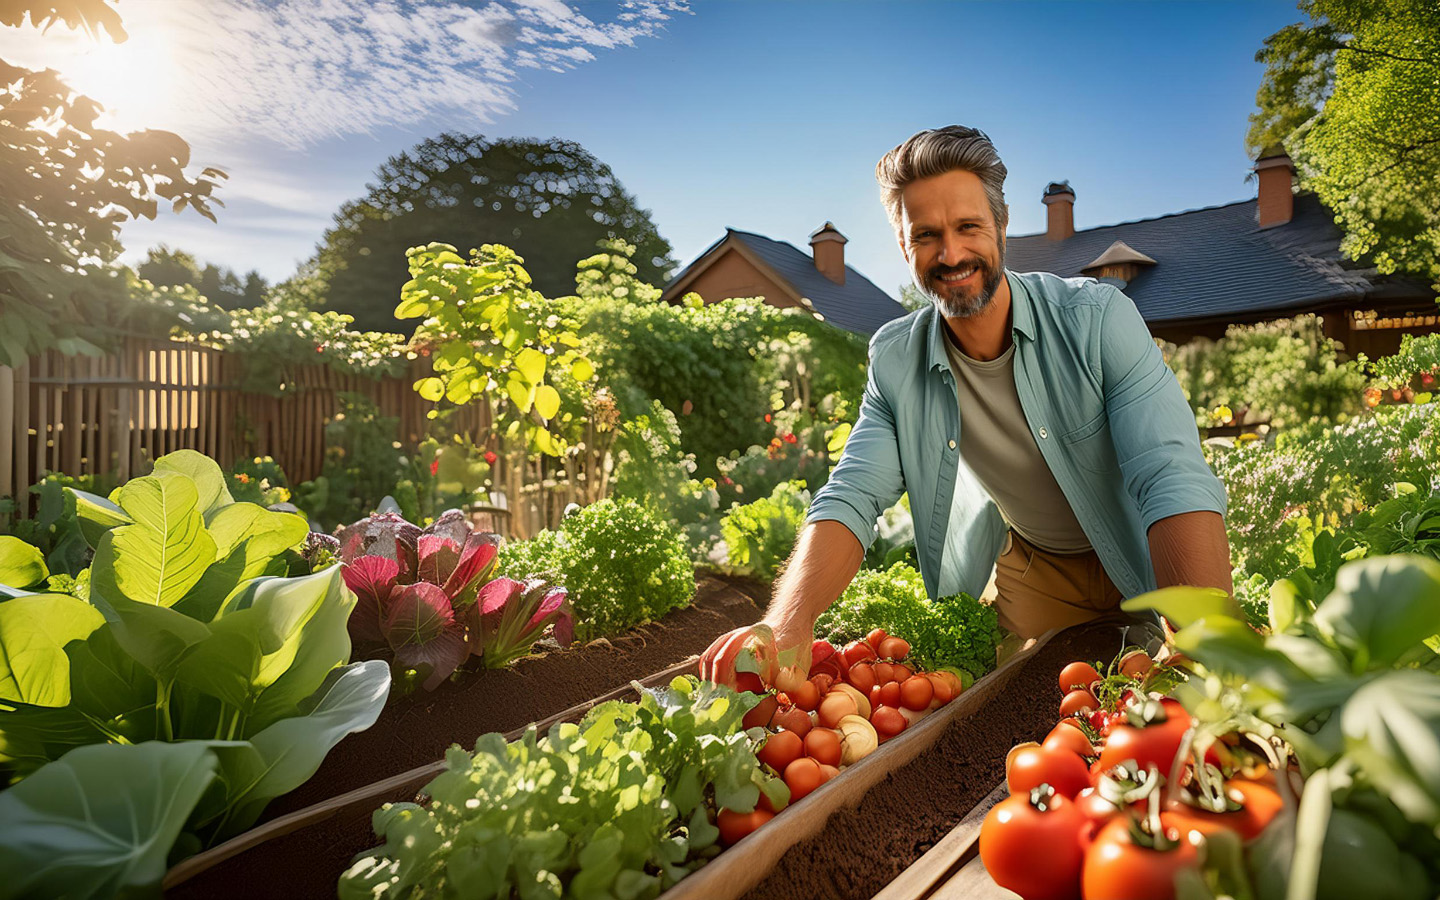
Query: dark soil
{"x": 416, "y": 729}
{"x": 864, "y": 848}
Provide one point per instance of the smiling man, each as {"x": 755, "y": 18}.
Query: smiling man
{"x": 1030, "y": 418}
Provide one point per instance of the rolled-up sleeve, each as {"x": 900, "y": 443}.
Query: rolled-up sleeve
{"x": 1156, "y": 440}
{"x": 867, "y": 480}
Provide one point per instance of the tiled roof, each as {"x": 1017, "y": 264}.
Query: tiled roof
{"x": 1215, "y": 262}
{"x": 857, "y": 305}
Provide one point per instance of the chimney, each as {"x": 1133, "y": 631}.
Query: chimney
{"x": 1060, "y": 217}
{"x": 828, "y": 247}
{"x": 1277, "y": 194}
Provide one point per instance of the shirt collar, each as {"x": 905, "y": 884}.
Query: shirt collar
{"x": 1022, "y": 322}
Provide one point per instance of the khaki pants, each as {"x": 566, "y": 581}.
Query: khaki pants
{"x": 1034, "y": 590}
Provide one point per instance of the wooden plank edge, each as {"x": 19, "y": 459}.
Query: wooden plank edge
{"x": 745, "y": 865}
{"x": 405, "y": 782}
{"x": 947, "y": 857}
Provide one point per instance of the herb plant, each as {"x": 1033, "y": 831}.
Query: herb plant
{"x": 760, "y": 536}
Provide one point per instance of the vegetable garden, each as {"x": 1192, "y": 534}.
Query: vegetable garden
{"x": 215, "y": 683}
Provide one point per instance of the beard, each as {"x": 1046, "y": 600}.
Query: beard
{"x": 962, "y": 302}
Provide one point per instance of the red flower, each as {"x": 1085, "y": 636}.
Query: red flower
{"x": 767, "y": 417}
{"x": 435, "y": 466}
{"x": 319, "y": 348}
{"x": 790, "y": 438}
{"x": 490, "y": 457}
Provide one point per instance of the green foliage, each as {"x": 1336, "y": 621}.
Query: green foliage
{"x": 258, "y": 480}
{"x": 759, "y": 536}
{"x": 1418, "y": 357}
{"x": 166, "y": 267}
{"x": 912, "y": 298}
{"x": 954, "y": 631}
{"x": 72, "y": 184}
{"x": 55, "y": 529}
{"x": 1287, "y": 372}
{"x": 616, "y": 806}
{"x": 651, "y": 471}
{"x": 1353, "y": 96}
{"x": 363, "y": 461}
{"x": 622, "y": 565}
{"x": 551, "y": 201}
{"x": 610, "y": 274}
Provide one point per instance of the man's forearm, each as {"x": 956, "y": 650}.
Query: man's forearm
{"x": 1191, "y": 549}
{"x": 824, "y": 562}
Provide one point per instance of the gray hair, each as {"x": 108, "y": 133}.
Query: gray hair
{"x": 936, "y": 151}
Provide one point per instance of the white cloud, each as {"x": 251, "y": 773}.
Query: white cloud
{"x": 296, "y": 72}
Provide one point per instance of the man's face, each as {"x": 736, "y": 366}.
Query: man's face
{"x": 955, "y": 250}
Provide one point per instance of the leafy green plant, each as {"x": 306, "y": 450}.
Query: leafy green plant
{"x": 651, "y": 470}
{"x": 622, "y": 565}
{"x": 55, "y": 528}
{"x": 1416, "y": 364}
{"x": 759, "y": 536}
{"x": 363, "y": 461}
{"x": 619, "y": 805}
{"x": 258, "y": 480}
{"x": 957, "y": 631}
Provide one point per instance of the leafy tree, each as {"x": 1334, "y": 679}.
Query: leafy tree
{"x": 548, "y": 200}
{"x": 68, "y": 184}
{"x": 1354, "y": 97}
{"x": 912, "y": 298}
{"x": 164, "y": 267}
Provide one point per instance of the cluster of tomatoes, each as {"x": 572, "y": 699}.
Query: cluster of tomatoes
{"x": 1117, "y": 800}
{"x": 854, "y": 699}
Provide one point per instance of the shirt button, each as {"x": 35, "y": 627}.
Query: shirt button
{"x": 1043, "y": 432}
{"x": 952, "y": 443}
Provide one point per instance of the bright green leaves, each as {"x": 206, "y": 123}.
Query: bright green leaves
{"x": 164, "y": 551}
{"x": 431, "y": 389}
{"x": 547, "y": 401}
{"x": 530, "y": 363}
{"x": 21, "y": 565}
{"x": 1182, "y": 605}
{"x": 34, "y": 632}
{"x": 1382, "y": 609}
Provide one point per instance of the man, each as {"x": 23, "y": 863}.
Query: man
{"x": 1031, "y": 419}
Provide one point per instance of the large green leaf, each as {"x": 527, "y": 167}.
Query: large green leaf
{"x": 156, "y": 637}
{"x": 201, "y": 471}
{"x": 101, "y": 821}
{"x": 166, "y": 550}
{"x": 1392, "y": 731}
{"x": 21, "y": 565}
{"x": 97, "y": 515}
{"x": 34, "y": 632}
{"x": 1382, "y": 609}
{"x": 280, "y": 758}
{"x": 1182, "y": 605}
{"x": 262, "y": 533}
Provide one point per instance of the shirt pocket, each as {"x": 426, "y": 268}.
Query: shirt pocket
{"x": 1091, "y": 447}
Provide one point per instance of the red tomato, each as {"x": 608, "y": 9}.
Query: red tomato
{"x": 1116, "y": 868}
{"x": 803, "y": 776}
{"x": 875, "y": 638}
{"x": 749, "y": 681}
{"x": 901, "y": 673}
{"x": 760, "y": 716}
{"x": 1072, "y": 739}
{"x": 734, "y": 825}
{"x": 793, "y": 719}
{"x": 1030, "y": 766}
{"x": 889, "y": 694}
{"x": 781, "y": 749}
{"x": 823, "y": 683}
{"x": 823, "y": 746}
{"x": 830, "y": 771}
{"x": 857, "y": 651}
{"x": 1255, "y": 805}
{"x": 1078, "y": 701}
{"x": 944, "y": 693}
{"x": 893, "y": 648}
{"x": 916, "y": 692}
{"x": 1095, "y": 807}
{"x": 888, "y": 721}
{"x": 862, "y": 677}
{"x": 1154, "y": 744}
{"x": 806, "y": 696}
{"x": 1022, "y": 827}
{"x": 1077, "y": 674}
{"x": 884, "y": 672}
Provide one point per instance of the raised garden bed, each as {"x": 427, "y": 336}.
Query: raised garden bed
{"x": 416, "y": 728}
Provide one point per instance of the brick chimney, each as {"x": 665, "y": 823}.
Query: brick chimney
{"x": 1277, "y": 193}
{"x": 827, "y": 245}
{"x": 1060, "y": 216}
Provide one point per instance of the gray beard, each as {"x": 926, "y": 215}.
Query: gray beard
{"x": 965, "y": 307}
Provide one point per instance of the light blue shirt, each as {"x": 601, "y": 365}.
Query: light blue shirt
{"x": 1108, "y": 415}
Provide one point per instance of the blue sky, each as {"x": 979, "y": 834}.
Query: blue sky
{"x": 765, "y": 116}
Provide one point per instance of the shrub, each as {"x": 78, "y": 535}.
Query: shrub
{"x": 759, "y": 536}
{"x": 622, "y": 564}
{"x": 957, "y": 631}
{"x": 651, "y": 470}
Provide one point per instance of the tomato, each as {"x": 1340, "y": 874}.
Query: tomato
{"x": 901, "y": 673}
{"x": 1077, "y": 674}
{"x": 825, "y": 660}
{"x": 862, "y": 677}
{"x": 823, "y": 745}
{"x": 734, "y": 825}
{"x": 823, "y": 683}
{"x": 760, "y": 716}
{"x": 1078, "y": 701}
{"x": 793, "y": 719}
{"x": 889, "y": 694}
{"x": 916, "y": 692}
{"x": 1254, "y": 805}
{"x": 1117, "y": 868}
{"x": 893, "y": 648}
{"x": 781, "y": 749}
{"x": 884, "y": 672}
{"x": 857, "y": 651}
{"x": 829, "y": 771}
{"x": 835, "y": 707}
{"x": 1136, "y": 664}
{"x": 1030, "y": 843}
{"x": 1153, "y": 744}
{"x": 806, "y": 696}
{"x": 1095, "y": 807}
{"x": 875, "y": 638}
{"x": 803, "y": 776}
{"x": 1072, "y": 739}
{"x": 749, "y": 681}
{"x": 1029, "y": 766}
{"x": 944, "y": 693}
{"x": 888, "y": 721}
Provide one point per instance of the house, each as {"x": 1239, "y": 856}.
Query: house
{"x": 1193, "y": 273}
{"x": 744, "y": 264}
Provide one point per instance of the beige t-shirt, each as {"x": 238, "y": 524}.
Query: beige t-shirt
{"x": 996, "y": 443}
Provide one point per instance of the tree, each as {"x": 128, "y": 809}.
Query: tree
{"x": 164, "y": 267}
{"x": 68, "y": 184}
{"x": 550, "y": 201}
{"x": 912, "y": 298}
{"x": 1354, "y": 97}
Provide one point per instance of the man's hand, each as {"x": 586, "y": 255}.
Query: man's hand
{"x": 761, "y": 648}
